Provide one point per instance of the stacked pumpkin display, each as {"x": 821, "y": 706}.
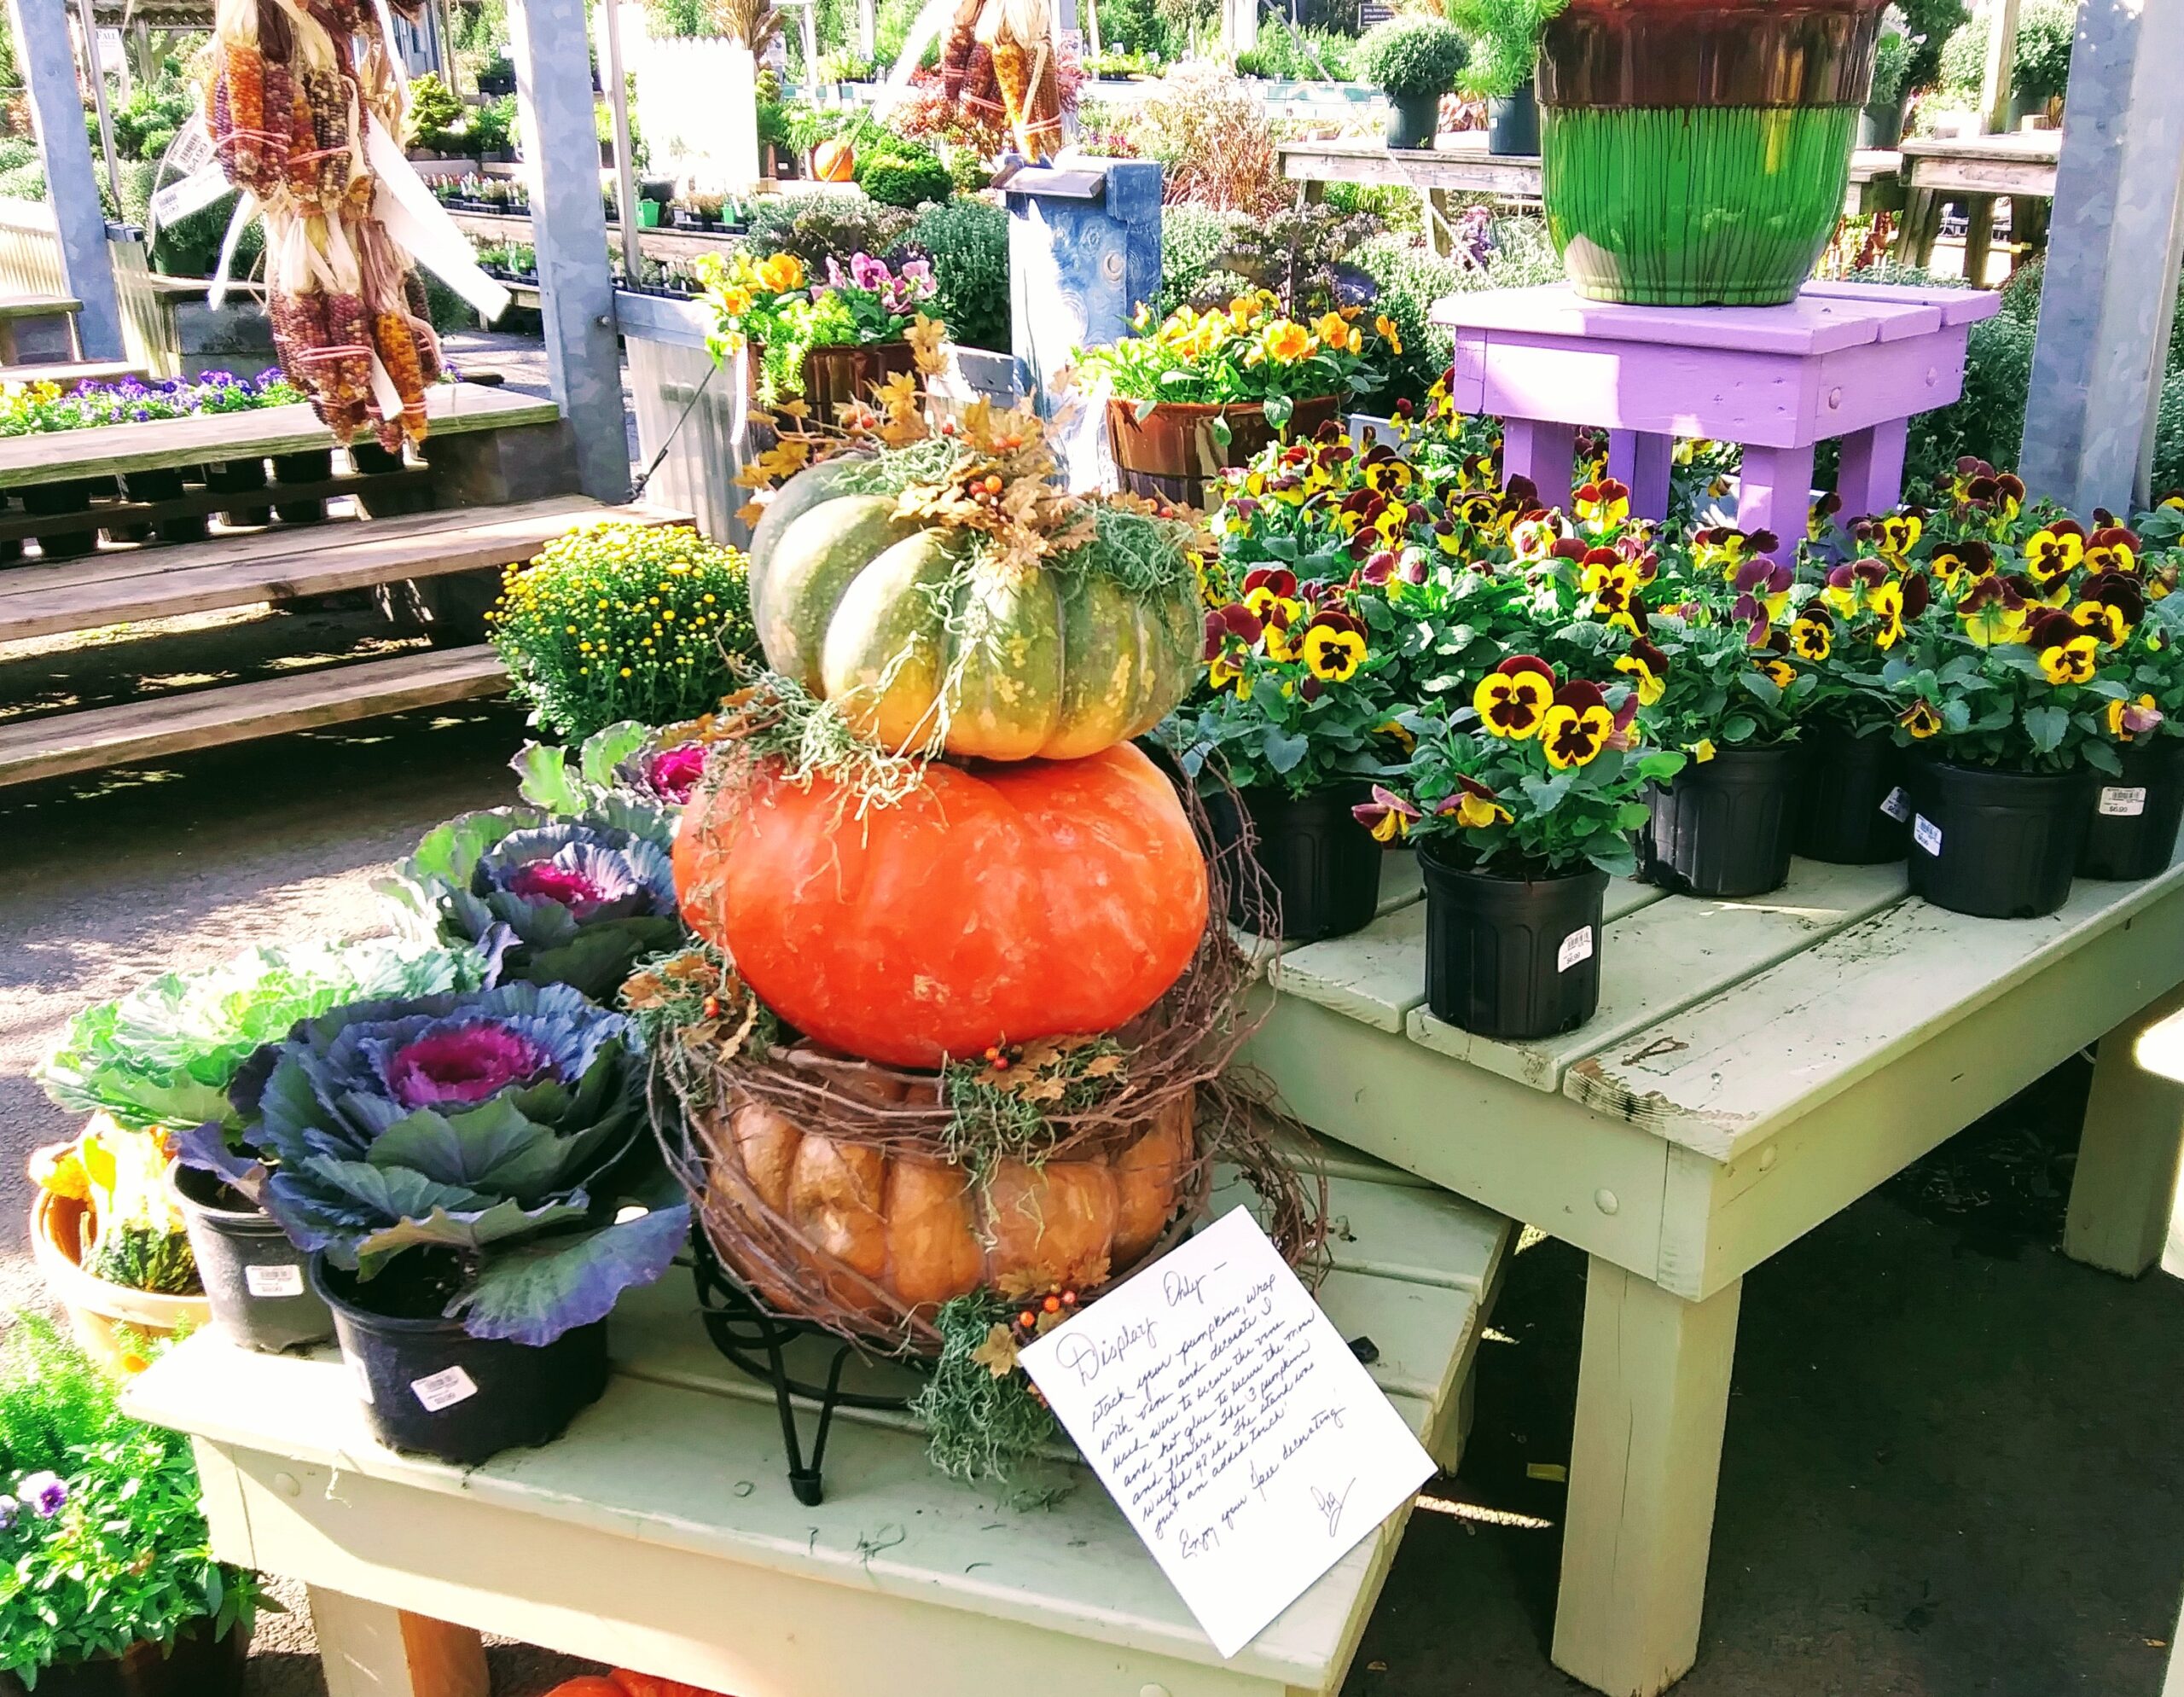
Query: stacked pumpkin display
{"x": 956, "y": 900}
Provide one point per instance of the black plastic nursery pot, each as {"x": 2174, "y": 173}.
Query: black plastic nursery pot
{"x": 1852, "y": 807}
{"x": 314, "y": 465}
{"x": 165, "y": 484}
{"x": 47, "y": 500}
{"x": 1321, "y": 864}
{"x": 255, "y": 1280}
{"x": 1723, "y": 827}
{"x": 432, "y": 1389}
{"x": 1995, "y": 844}
{"x": 1413, "y": 119}
{"x": 1511, "y": 957}
{"x": 238, "y": 476}
{"x": 194, "y": 1665}
{"x": 1513, "y": 125}
{"x": 2132, "y": 831}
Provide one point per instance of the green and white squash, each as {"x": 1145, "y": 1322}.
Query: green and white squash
{"x": 920, "y": 641}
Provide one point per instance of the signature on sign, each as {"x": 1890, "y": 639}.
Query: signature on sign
{"x": 1329, "y": 1504}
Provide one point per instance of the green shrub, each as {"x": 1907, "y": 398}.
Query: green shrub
{"x": 967, "y": 241}
{"x": 2168, "y": 436}
{"x": 1892, "y": 61}
{"x": 1987, "y": 421}
{"x": 1302, "y": 55}
{"x": 1928, "y": 24}
{"x": 1411, "y": 279}
{"x": 2040, "y": 70}
{"x": 813, "y": 227}
{"x": 906, "y": 175}
{"x": 433, "y": 106}
{"x": 1413, "y": 56}
{"x": 1190, "y": 239}
{"x": 1504, "y": 38}
{"x": 16, "y": 152}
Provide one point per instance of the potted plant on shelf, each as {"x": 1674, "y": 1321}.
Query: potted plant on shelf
{"x": 157, "y": 1061}
{"x": 1413, "y": 61}
{"x": 108, "y": 1580}
{"x": 1522, "y": 805}
{"x": 1697, "y": 152}
{"x": 828, "y": 344}
{"x": 1503, "y": 36}
{"x": 2137, "y": 812}
{"x": 1880, "y": 123}
{"x": 1207, "y": 391}
{"x": 517, "y": 1191}
{"x": 1297, "y": 714}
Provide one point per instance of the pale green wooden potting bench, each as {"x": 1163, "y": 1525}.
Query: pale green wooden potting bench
{"x": 1755, "y": 1067}
{"x": 661, "y": 1534}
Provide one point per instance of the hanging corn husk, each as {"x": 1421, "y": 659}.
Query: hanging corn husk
{"x": 295, "y": 85}
{"x": 1020, "y": 35}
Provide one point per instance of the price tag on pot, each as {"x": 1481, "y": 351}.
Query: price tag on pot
{"x": 1576, "y": 947}
{"x": 1231, "y": 1423}
{"x": 445, "y": 1389}
{"x": 1895, "y": 804}
{"x": 363, "y": 1379}
{"x": 282, "y": 1280}
{"x": 2120, "y": 803}
{"x": 1927, "y": 834}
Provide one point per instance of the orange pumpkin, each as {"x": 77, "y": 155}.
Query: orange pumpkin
{"x": 1001, "y": 903}
{"x": 591, "y": 1685}
{"x": 834, "y": 160}
{"x": 629, "y": 1684}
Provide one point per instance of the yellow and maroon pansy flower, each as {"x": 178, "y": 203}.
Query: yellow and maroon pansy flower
{"x": 1332, "y": 646}
{"x": 1612, "y": 583}
{"x": 1994, "y": 611}
{"x": 1648, "y": 668}
{"x": 1921, "y": 720}
{"x": 1577, "y": 725}
{"x": 1849, "y": 584}
{"x": 1285, "y": 624}
{"x": 1511, "y": 699}
{"x": 2112, "y": 549}
{"x": 1533, "y": 537}
{"x": 2129, "y": 719}
{"x": 2067, "y": 651}
{"x": 1812, "y": 634}
{"x": 1819, "y": 519}
{"x": 1473, "y": 806}
{"x": 1780, "y": 672}
{"x": 1895, "y": 603}
{"x": 2054, "y": 552}
{"x": 1387, "y": 815}
{"x": 1961, "y": 562}
{"x": 1897, "y": 534}
{"x": 1383, "y": 469}
{"x": 1767, "y": 583}
{"x": 1602, "y": 504}
{"x": 1396, "y": 732}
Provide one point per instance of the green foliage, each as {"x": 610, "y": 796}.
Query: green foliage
{"x": 1301, "y": 55}
{"x": 676, "y": 20}
{"x": 979, "y": 1424}
{"x": 2040, "y": 68}
{"x": 432, "y": 105}
{"x": 1411, "y": 280}
{"x": 1412, "y": 55}
{"x": 1963, "y": 62}
{"x": 1929, "y": 25}
{"x": 1987, "y": 421}
{"x": 1891, "y": 62}
{"x": 1504, "y": 38}
{"x": 164, "y": 1054}
{"x": 1134, "y": 27}
{"x": 109, "y": 1548}
{"x": 1190, "y": 239}
{"x": 27, "y": 182}
{"x": 967, "y": 241}
{"x": 817, "y": 227}
{"x": 905, "y": 175}
{"x": 2168, "y": 436}
{"x": 1301, "y": 257}
{"x": 16, "y": 151}
{"x": 146, "y": 124}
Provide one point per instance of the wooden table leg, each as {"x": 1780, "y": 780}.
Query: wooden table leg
{"x": 1915, "y": 240}
{"x": 1544, "y": 451}
{"x": 1775, "y": 493}
{"x": 1979, "y": 236}
{"x": 370, "y": 1650}
{"x": 1640, "y": 461}
{"x": 1872, "y": 477}
{"x": 2125, "y": 1186}
{"x": 1653, "y": 1397}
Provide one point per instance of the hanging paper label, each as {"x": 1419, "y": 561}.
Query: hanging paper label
{"x": 274, "y": 1282}
{"x": 195, "y": 192}
{"x": 445, "y": 1389}
{"x": 2119, "y": 803}
{"x": 1231, "y": 1423}
{"x": 1895, "y": 804}
{"x": 1927, "y": 834}
{"x": 190, "y": 151}
{"x": 1578, "y": 946}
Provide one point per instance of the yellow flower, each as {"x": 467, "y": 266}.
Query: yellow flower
{"x": 1286, "y": 342}
{"x": 1386, "y": 327}
{"x": 1221, "y": 671}
{"x": 1921, "y": 720}
{"x": 2071, "y": 661}
{"x": 2117, "y": 708}
{"x": 782, "y": 272}
{"x": 1331, "y": 654}
{"x": 1898, "y": 533}
{"x": 1814, "y": 638}
{"x": 1331, "y": 329}
{"x": 1574, "y": 736}
{"x": 1650, "y": 685}
{"x": 1475, "y": 812}
{"x": 1781, "y": 672}
{"x": 2103, "y": 618}
{"x": 735, "y": 300}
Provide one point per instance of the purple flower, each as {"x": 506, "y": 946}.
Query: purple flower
{"x": 918, "y": 273}
{"x": 10, "y": 1512}
{"x": 869, "y": 273}
{"x": 46, "y": 1493}
{"x": 836, "y": 276}
{"x": 463, "y": 1064}
{"x": 674, "y": 772}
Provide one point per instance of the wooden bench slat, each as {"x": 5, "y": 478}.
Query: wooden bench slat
{"x": 1676, "y": 952}
{"x": 70, "y": 372}
{"x": 316, "y": 560}
{"x": 173, "y": 724}
{"x": 1717, "y": 1076}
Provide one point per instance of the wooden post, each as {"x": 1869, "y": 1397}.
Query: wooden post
{"x": 1994, "y": 80}
{"x": 1645, "y": 1460}
{"x": 48, "y": 67}
{"x": 625, "y": 166}
{"x": 867, "y": 28}
{"x": 2113, "y": 255}
{"x": 369, "y": 1650}
{"x": 2124, "y": 1190}
{"x": 576, "y": 288}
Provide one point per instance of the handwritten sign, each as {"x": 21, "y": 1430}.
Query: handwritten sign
{"x": 1226, "y": 1416}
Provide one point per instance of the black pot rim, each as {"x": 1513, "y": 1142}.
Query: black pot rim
{"x": 1430, "y": 852}
{"x": 252, "y": 1221}
{"x": 2070, "y": 777}
{"x": 350, "y": 1309}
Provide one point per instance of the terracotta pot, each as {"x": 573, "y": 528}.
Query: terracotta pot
{"x": 96, "y": 1307}
{"x": 193, "y": 1666}
{"x": 1172, "y": 454}
{"x": 833, "y": 376}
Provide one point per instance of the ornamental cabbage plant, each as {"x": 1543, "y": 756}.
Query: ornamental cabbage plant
{"x": 574, "y": 900}
{"x": 653, "y": 771}
{"x": 507, "y": 1127}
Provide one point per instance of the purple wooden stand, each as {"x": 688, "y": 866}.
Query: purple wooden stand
{"x": 1854, "y": 360}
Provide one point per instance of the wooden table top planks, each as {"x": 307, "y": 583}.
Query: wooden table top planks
{"x": 55, "y": 456}
{"x": 2022, "y": 162}
{"x": 661, "y": 1534}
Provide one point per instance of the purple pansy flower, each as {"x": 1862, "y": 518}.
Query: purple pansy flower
{"x": 47, "y": 1493}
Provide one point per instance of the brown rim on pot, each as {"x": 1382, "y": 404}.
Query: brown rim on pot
{"x": 1618, "y": 54}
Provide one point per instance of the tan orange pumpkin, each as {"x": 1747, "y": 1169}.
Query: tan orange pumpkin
{"x": 834, "y": 160}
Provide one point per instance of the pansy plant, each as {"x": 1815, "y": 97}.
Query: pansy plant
{"x": 1540, "y": 775}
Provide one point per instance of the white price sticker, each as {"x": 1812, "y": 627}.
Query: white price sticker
{"x": 1927, "y": 834}
{"x": 2119, "y": 803}
{"x": 1576, "y": 947}
{"x": 282, "y": 1280}
{"x": 363, "y": 1379}
{"x": 445, "y": 1389}
{"x": 1895, "y": 804}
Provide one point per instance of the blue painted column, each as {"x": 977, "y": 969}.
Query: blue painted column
{"x": 1083, "y": 251}
{"x": 550, "y": 46}
{"x": 48, "y": 63}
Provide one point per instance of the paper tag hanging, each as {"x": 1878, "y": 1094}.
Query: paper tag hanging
{"x": 1895, "y": 804}
{"x": 1927, "y": 834}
